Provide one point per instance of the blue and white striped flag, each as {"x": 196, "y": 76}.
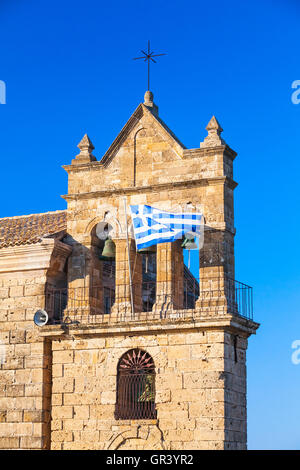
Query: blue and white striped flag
{"x": 152, "y": 226}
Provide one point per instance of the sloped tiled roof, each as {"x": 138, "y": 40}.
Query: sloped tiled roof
{"x": 29, "y": 229}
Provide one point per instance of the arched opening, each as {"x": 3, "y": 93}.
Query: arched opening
{"x": 104, "y": 272}
{"x": 135, "y": 386}
{"x": 149, "y": 268}
{"x": 190, "y": 246}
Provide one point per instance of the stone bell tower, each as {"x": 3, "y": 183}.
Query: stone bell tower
{"x": 159, "y": 363}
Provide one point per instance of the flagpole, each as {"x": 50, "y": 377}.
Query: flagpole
{"x": 129, "y": 265}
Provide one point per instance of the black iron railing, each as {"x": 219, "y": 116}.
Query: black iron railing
{"x": 151, "y": 300}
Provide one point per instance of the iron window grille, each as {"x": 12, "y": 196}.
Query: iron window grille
{"x": 135, "y": 386}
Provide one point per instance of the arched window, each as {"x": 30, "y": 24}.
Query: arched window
{"x": 135, "y": 386}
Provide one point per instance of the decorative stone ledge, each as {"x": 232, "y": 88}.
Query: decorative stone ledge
{"x": 155, "y": 187}
{"x": 229, "y": 322}
{"x": 38, "y": 256}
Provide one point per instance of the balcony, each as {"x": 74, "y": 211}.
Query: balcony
{"x": 187, "y": 299}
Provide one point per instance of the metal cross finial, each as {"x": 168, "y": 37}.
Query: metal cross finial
{"x": 147, "y": 57}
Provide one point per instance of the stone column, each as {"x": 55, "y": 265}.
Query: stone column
{"x": 217, "y": 288}
{"x": 169, "y": 278}
{"x": 122, "y": 306}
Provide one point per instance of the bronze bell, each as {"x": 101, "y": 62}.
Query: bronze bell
{"x": 109, "y": 250}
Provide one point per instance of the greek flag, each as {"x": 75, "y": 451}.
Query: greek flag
{"x": 152, "y": 226}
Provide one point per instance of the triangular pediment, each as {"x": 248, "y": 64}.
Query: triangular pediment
{"x": 137, "y": 121}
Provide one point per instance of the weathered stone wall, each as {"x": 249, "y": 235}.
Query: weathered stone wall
{"x": 190, "y": 392}
{"x": 236, "y": 392}
{"x": 145, "y": 153}
{"x": 25, "y": 368}
{"x": 148, "y": 165}
{"x": 71, "y": 377}
{"x": 84, "y": 214}
{"x": 25, "y": 372}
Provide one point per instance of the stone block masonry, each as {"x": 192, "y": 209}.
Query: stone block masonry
{"x": 194, "y": 391}
{"x": 25, "y": 375}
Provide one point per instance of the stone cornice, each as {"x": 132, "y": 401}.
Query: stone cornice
{"x": 187, "y": 154}
{"x": 232, "y": 323}
{"x": 200, "y": 152}
{"x": 98, "y": 165}
{"x": 32, "y": 257}
{"x": 155, "y": 187}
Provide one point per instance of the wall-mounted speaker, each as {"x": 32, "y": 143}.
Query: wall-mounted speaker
{"x": 40, "y": 317}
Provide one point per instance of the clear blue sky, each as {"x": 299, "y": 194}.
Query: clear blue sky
{"x": 68, "y": 70}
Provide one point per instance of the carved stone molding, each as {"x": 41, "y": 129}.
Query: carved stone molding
{"x": 39, "y": 256}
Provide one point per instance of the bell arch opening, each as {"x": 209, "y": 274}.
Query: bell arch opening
{"x": 103, "y": 284}
{"x": 149, "y": 274}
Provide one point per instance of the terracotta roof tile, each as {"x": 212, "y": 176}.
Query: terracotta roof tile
{"x": 28, "y": 229}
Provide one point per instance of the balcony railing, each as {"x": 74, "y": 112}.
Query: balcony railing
{"x": 151, "y": 301}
